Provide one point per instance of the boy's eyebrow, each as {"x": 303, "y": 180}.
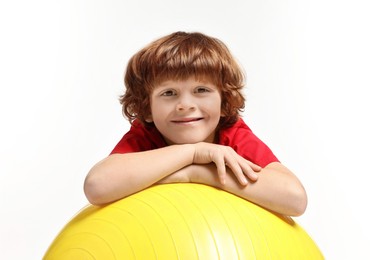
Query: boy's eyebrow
{"x": 160, "y": 86}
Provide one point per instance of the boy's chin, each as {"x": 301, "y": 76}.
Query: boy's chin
{"x": 187, "y": 140}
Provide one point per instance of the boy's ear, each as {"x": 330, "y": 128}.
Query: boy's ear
{"x": 149, "y": 119}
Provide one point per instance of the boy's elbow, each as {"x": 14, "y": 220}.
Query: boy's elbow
{"x": 299, "y": 202}
{"x": 93, "y": 191}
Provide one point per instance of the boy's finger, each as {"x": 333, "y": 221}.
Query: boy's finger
{"x": 221, "y": 169}
{"x": 238, "y": 172}
{"x": 250, "y": 173}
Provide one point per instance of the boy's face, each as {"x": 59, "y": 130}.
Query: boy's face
{"x": 186, "y": 111}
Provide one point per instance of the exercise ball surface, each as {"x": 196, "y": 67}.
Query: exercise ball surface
{"x": 181, "y": 221}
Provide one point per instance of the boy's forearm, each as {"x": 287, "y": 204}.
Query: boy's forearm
{"x": 120, "y": 175}
{"x": 276, "y": 189}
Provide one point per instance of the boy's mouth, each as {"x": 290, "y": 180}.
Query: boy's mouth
{"x": 187, "y": 120}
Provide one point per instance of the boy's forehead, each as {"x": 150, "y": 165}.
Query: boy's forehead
{"x": 168, "y": 82}
{"x": 197, "y": 78}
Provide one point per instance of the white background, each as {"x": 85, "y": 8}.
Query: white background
{"x": 62, "y": 62}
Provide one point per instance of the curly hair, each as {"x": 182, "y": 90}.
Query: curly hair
{"x": 179, "y": 56}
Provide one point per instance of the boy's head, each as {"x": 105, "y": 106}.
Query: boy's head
{"x": 180, "y": 56}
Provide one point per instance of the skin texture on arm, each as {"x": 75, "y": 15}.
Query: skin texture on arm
{"x": 276, "y": 189}
{"x": 120, "y": 175}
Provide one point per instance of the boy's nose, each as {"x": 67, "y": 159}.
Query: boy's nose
{"x": 185, "y": 104}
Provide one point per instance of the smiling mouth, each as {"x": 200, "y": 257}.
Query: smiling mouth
{"x": 187, "y": 120}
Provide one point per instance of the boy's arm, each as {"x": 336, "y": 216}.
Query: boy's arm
{"x": 276, "y": 189}
{"x": 120, "y": 175}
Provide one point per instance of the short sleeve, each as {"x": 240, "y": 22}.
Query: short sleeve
{"x": 241, "y": 138}
{"x": 139, "y": 138}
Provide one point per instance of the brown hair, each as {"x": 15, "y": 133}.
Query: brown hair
{"x": 179, "y": 56}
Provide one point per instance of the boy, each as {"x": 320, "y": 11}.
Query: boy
{"x": 183, "y": 99}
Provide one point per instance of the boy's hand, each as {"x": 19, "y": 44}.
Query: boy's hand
{"x": 223, "y": 156}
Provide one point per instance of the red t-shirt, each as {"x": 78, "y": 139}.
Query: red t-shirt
{"x": 239, "y": 136}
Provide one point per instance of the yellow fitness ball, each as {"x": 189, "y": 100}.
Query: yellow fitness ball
{"x": 181, "y": 221}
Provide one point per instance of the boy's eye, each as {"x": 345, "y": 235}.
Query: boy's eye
{"x": 168, "y": 93}
{"x": 202, "y": 90}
